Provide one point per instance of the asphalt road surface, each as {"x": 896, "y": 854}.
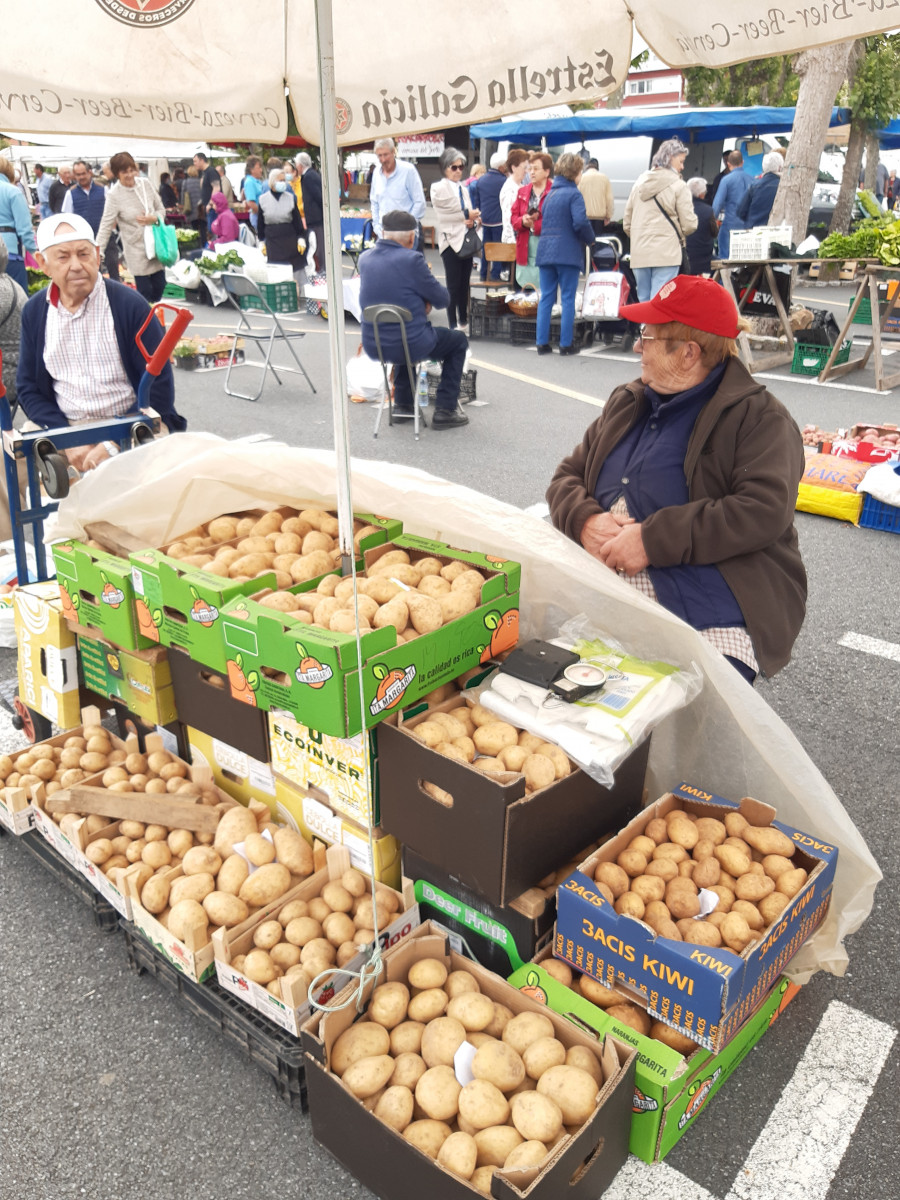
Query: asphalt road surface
{"x": 111, "y": 1088}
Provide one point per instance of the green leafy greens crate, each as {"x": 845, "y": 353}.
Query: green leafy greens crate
{"x": 810, "y": 360}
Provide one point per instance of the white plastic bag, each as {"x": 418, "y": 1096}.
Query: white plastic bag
{"x": 604, "y": 294}
{"x": 185, "y": 273}
{"x": 365, "y": 378}
{"x": 883, "y": 483}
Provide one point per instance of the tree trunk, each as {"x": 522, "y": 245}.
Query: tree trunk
{"x": 822, "y": 70}
{"x": 872, "y": 152}
{"x": 843, "y": 209}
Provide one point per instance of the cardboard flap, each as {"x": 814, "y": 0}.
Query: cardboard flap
{"x": 113, "y": 538}
{"x": 756, "y": 812}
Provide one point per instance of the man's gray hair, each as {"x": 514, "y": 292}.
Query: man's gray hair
{"x": 772, "y": 163}
{"x": 667, "y": 151}
{"x": 399, "y": 235}
{"x": 697, "y": 186}
{"x": 389, "y": 142}
{"x": 273, "y": 176}
{"x": 303, "y": 160}
{"x": 64, "y": 167}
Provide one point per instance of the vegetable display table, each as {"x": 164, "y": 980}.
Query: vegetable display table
{"x": 872, "y": 276}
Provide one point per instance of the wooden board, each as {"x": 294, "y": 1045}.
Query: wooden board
{"x": 154, "y": 809}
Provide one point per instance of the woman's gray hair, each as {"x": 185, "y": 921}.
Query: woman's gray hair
{"x": 772, "y": 163}
{"x": 697, "y": 186}
{"x": 449, "y": 157}
{"x": 273, "y": 175}
{"x": 667, "y": 151}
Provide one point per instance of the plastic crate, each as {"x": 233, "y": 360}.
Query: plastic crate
{"x": 173, "y": 292}
{"x": 275, "y": 1050}
{"x": 489, "y": 325}
{"x": 753, "y": 245}
{"x": 105, "y": 916}
{"x": 466, "y": 387}
{"x": 811, "y": 360}
{"x": 280, "y": 297}
{"x": 523, "y": 331}
{"x": 876, "y": 515}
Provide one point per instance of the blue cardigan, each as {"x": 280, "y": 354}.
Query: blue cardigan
{"x": 129, "y": 311}
{"x": 391, "y": 274}
{"x": 565, "y": 228}
{"x": 756, "y": 205}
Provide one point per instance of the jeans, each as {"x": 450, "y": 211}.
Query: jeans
{"x": 17, "y": 270}
{"x": 151, "y": 286}
{"x": 490, "y": 233}
{"x": 566, "y": 278}
{"x": 450, "y": 348}
{"x": 458, "y": 275}
{"x": 650, "y": 279}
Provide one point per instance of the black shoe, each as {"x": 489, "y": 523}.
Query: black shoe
{"x": 545, "y": 349}
{"x": 402, "y": 412}
{"x": 448, "y": 418}
{"x": 567, "y": 350}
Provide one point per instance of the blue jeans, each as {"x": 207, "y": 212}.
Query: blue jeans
{"x": 566, "y": 278}
{"x": 16, "y": 270}
{"x": 490, "y": 233}
{"x": 450, "y": 348}
{"x": 650, "y": 279}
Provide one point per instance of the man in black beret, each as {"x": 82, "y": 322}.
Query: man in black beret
{"x": 393, "y": 273}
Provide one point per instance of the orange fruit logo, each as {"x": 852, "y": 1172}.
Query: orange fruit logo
{"x": 311, "y": 671}
{"x": 69, "y": 605}
{"x": 111, "y": 595}
{"x": 148, "y": 622}
{"x": 643, "y": 1104}
{"x": 532, "y": 988}
{"x": 243, "y": 686}
{"x": 504, "y": 629}
{"x": 392, "y": 685}
{"x": 203, "y": 613}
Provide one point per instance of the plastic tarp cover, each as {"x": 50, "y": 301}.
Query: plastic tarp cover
{"x": 728, "y": 741}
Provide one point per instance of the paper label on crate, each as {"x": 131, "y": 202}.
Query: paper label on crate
{"x": 62, "y": 668}
{"x": 462, "y": 1062}
{"x": 169, "y": 740}
{"x": 321, "y": 821}
{"x": 137, "y": 580}
{"x": 359, "y": 851}
{"x": 708, "y": 901}
{"x": 259, "y": 776}
{"x": 50, "y": 704}
{"x": 230, "y": 759}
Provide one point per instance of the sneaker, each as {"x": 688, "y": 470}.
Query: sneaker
{"x": 567, "y": 350}
{"x": 463, "y": 329}
{"x": 448, "y": 418}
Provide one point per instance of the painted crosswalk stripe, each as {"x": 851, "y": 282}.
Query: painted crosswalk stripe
{"x": 596, "y": 401}
{"x": 870, "y": 645}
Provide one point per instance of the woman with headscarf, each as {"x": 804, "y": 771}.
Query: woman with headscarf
{"x": 224, "y": 225}
{"x": 659, "y": 218}
{"x": 757, "y": 203}
{"x": 280, "y": 226}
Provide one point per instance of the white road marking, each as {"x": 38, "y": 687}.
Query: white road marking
{"x": 812, "y": 379}
{"x": 807, "y": 1134}
{"x": 870, "y": 645}
{"x": 596, "y": 401}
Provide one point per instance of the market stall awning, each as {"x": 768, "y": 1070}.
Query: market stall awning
{"x": 694, "y": 125}
{"x": 889, "y": 137}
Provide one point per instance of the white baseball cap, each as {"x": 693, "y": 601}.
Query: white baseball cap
{"x": 63, "y": 227}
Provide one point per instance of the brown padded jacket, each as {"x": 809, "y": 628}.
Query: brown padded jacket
{"x": 743, "y": 467}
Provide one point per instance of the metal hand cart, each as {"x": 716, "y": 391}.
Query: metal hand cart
{"x": 606, "y": 255}
{"x": 41, "y": 449}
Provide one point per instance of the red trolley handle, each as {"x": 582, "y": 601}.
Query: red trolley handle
{"x": 160, "y": 356}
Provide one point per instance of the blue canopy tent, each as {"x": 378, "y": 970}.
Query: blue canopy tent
{"x": 693, "y": 125}
{"x": 888, "y": 138}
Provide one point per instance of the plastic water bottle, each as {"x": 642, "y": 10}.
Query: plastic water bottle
{"x": 422, "y": 386}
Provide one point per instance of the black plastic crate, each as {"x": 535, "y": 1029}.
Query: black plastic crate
{"x": 523, "y": 331}
{"x": 466, "y": 387}
{"x": 489, "y": 325}
{"x": 275, "y": 1050}
{"x": 105, "y": 916}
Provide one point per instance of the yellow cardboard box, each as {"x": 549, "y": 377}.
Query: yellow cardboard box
{"x": 48, "y": 659}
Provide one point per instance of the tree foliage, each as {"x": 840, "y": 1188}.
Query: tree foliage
{"x": 875, "y": 90}
{"x": 766, "y": 81}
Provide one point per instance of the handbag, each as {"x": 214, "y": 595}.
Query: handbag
{"x": 685, "y": 268}
{"x": 471, "y": 243}
{"x": 160, "y": 241}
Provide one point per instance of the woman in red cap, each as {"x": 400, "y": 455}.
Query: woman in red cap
{"x": 686, "y": 485}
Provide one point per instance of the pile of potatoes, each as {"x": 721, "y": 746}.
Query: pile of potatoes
{"x": 618, "y": 1006}
{"x": 297, "y": 546}
{"x": 473, "y": 734}
{"x": 309, "y": 937}
{"x": 415, "y": 597}
{"x": 81, "y": 757}
{"x": 658, "y": 878}
{"x": 529, "y": 1090}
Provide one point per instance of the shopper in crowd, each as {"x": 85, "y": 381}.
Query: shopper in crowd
{"x": 178, "y": 178}
{"x": 527, "y": 211}
{"x": 756, "y": 204}
{"x": 395, "y": 187}
{"x": 167, "y": 193}
{"x": 454, "y": 215}
{"x": 88, "y": 199}
{"x": 312, "y": 210}
{"x": 44, "y": 182}
{"x": 565, "y": 231}
{"x": 253, "y": 186}
{"x": 726, "y": 167}
{"x": 686, "y": 485}
{"x": 487, "y": 200}
{"x": 223, "y": 225}
{"x": 274, "y": 163}
{"x": 516, "y": 169}
{"x": 471, "y": 181}
{"x": 701, "y": 242}
{"x": 598, "y": 196}
{"x": 659, "y": 217}
{"x": 79, "y": 359}
{"x": 209, "y": 178}
{"x": 133, "y": 203}
{"x": 60, "y": 186}
{"x": 225, "y": 184}
{"x": 393, "y": 272}
{"x": 12, "y": 301}
{"x": 192, "y": 204}
{"x": 280, "y": 226}
{"x": 727, "y": 199}
{"x": 295, "y": 182}
{"x": 16, "y": 229}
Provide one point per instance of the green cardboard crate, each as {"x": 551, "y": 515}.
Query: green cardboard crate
{"x": 97, "y": 592}
{"x": 670, "y": 1090}
{"x": 282, "y": 663}
{"x": 142, "y": 680}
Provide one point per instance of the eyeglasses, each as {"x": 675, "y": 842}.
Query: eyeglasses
{"x": 457, "y": 167}
{"x": 649, "y": 337}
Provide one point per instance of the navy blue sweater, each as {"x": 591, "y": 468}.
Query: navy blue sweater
{"x": 391, "y": 274}
{"x": 758, "y": 199}
{"x": 129, "y": 311}
{"x": 488, "y": 197}
{"x": 565, "y": 228}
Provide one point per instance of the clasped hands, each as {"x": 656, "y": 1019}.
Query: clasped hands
{"x": 616, "y": 541}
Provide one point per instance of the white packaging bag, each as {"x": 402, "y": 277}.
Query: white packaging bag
{"x": 604, "y": 294}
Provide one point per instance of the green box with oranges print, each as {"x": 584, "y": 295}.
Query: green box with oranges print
{"x": 278, "y": 662}
{"x": 670, "y": 1090}
{"x": 97, "y": 592}
{"x": 180, "y": 606}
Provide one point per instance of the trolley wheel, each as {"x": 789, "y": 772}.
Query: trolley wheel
{"x": 141, "y": 433}
{"x": 33, "y": 724}
{"x": 53, "y": 469}
{"x": 608, "y": 337}
{"x": 628, "y": 341}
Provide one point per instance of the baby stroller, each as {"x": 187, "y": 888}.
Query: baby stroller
{"x": 606, "y": 255}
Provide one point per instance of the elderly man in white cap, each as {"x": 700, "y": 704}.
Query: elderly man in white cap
{"x": 79, "y": 360}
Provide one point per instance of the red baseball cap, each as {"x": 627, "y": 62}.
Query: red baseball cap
{"x": 692, "y": 300}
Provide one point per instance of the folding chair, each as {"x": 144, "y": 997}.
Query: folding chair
{"x": 393, "y": 314}
{"x": 238, "y": 286}
{"x": 503, "y": 252}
